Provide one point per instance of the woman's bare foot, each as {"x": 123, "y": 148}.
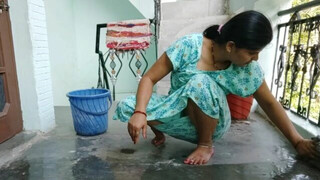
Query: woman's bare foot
{"x": 159, "y": 139}
{"x": 201, "y": 155}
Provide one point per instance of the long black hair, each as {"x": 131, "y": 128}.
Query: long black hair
{"x": 248, "y": 30}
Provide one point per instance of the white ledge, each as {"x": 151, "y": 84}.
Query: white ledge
{"x": 304, "y": 127}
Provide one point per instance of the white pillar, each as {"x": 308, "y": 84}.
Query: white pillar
{"x": 29, "y": 29}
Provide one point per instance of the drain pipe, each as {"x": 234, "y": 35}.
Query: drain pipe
{"x": 156, "y": 20}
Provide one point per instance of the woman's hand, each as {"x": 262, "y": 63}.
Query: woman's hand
{"x": 307, "y": 148}
{"x": 136, "y": 123}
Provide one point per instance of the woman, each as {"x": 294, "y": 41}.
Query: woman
{"x": 204, "y": 68}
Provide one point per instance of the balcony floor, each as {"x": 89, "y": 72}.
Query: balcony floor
{"x": 251, "y": 149}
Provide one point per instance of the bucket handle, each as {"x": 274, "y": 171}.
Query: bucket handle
{"x": 110, "y": 100}
{"x": 95, "y": 113}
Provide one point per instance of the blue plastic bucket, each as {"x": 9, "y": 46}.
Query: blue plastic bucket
{"x": 89, "y": 108}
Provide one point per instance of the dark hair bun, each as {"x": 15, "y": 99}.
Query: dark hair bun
{"x": 249, "y": 30}
{"x": 211, "y": 32}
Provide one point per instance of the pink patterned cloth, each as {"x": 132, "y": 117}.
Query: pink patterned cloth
{"x": 129, "y": 35}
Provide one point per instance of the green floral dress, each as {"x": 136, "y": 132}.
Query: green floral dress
{"x": 208, "y": 89}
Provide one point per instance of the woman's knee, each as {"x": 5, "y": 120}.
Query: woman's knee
{"x": 128, "y": 102}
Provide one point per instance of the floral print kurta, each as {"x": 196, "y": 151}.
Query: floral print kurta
{"x": 208, "y": 89}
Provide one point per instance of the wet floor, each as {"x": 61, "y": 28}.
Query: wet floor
{"x": 251, "y": 150}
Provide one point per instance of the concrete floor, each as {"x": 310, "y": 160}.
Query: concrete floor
{"x": 250, "y": 150}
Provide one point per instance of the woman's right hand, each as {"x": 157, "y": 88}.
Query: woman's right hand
{"x": 136, "y": 123}
{"x": 307, "y": 148}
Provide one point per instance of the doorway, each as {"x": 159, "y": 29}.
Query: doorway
{"x": 10, "y": 109}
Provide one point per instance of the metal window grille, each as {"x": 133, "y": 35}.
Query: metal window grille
{"x": 296, "y": 70}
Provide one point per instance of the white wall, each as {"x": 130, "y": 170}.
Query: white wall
{"x": 72, "y": 33}
{"x": 192, "y": 9}
{"x": 23, "y": 57}
{"x": 146, "y": 7}
{"x": 62, "y": 44}
{"x": 33, "y": 67}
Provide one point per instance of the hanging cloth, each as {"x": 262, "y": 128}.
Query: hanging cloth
{"x": 129, "y": 35}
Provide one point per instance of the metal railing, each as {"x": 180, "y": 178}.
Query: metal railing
{"x": 295, "y": 81}
{"x": 115, "y": 57}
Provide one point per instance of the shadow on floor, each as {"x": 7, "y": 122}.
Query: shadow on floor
{"x": 251, "y": 150}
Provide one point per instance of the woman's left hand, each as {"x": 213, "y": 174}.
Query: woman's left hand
{"x": 307, "y": 148}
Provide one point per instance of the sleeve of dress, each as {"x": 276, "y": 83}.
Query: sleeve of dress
{"x": 246, "y": 80}
{"x": 178, "y": 52}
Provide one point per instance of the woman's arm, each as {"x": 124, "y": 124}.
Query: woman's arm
{"x": 138, "y": 121}
{"x": 278, "y": 116}
{"x": 160, "y": 68}
{"x": 276, "y": 113}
